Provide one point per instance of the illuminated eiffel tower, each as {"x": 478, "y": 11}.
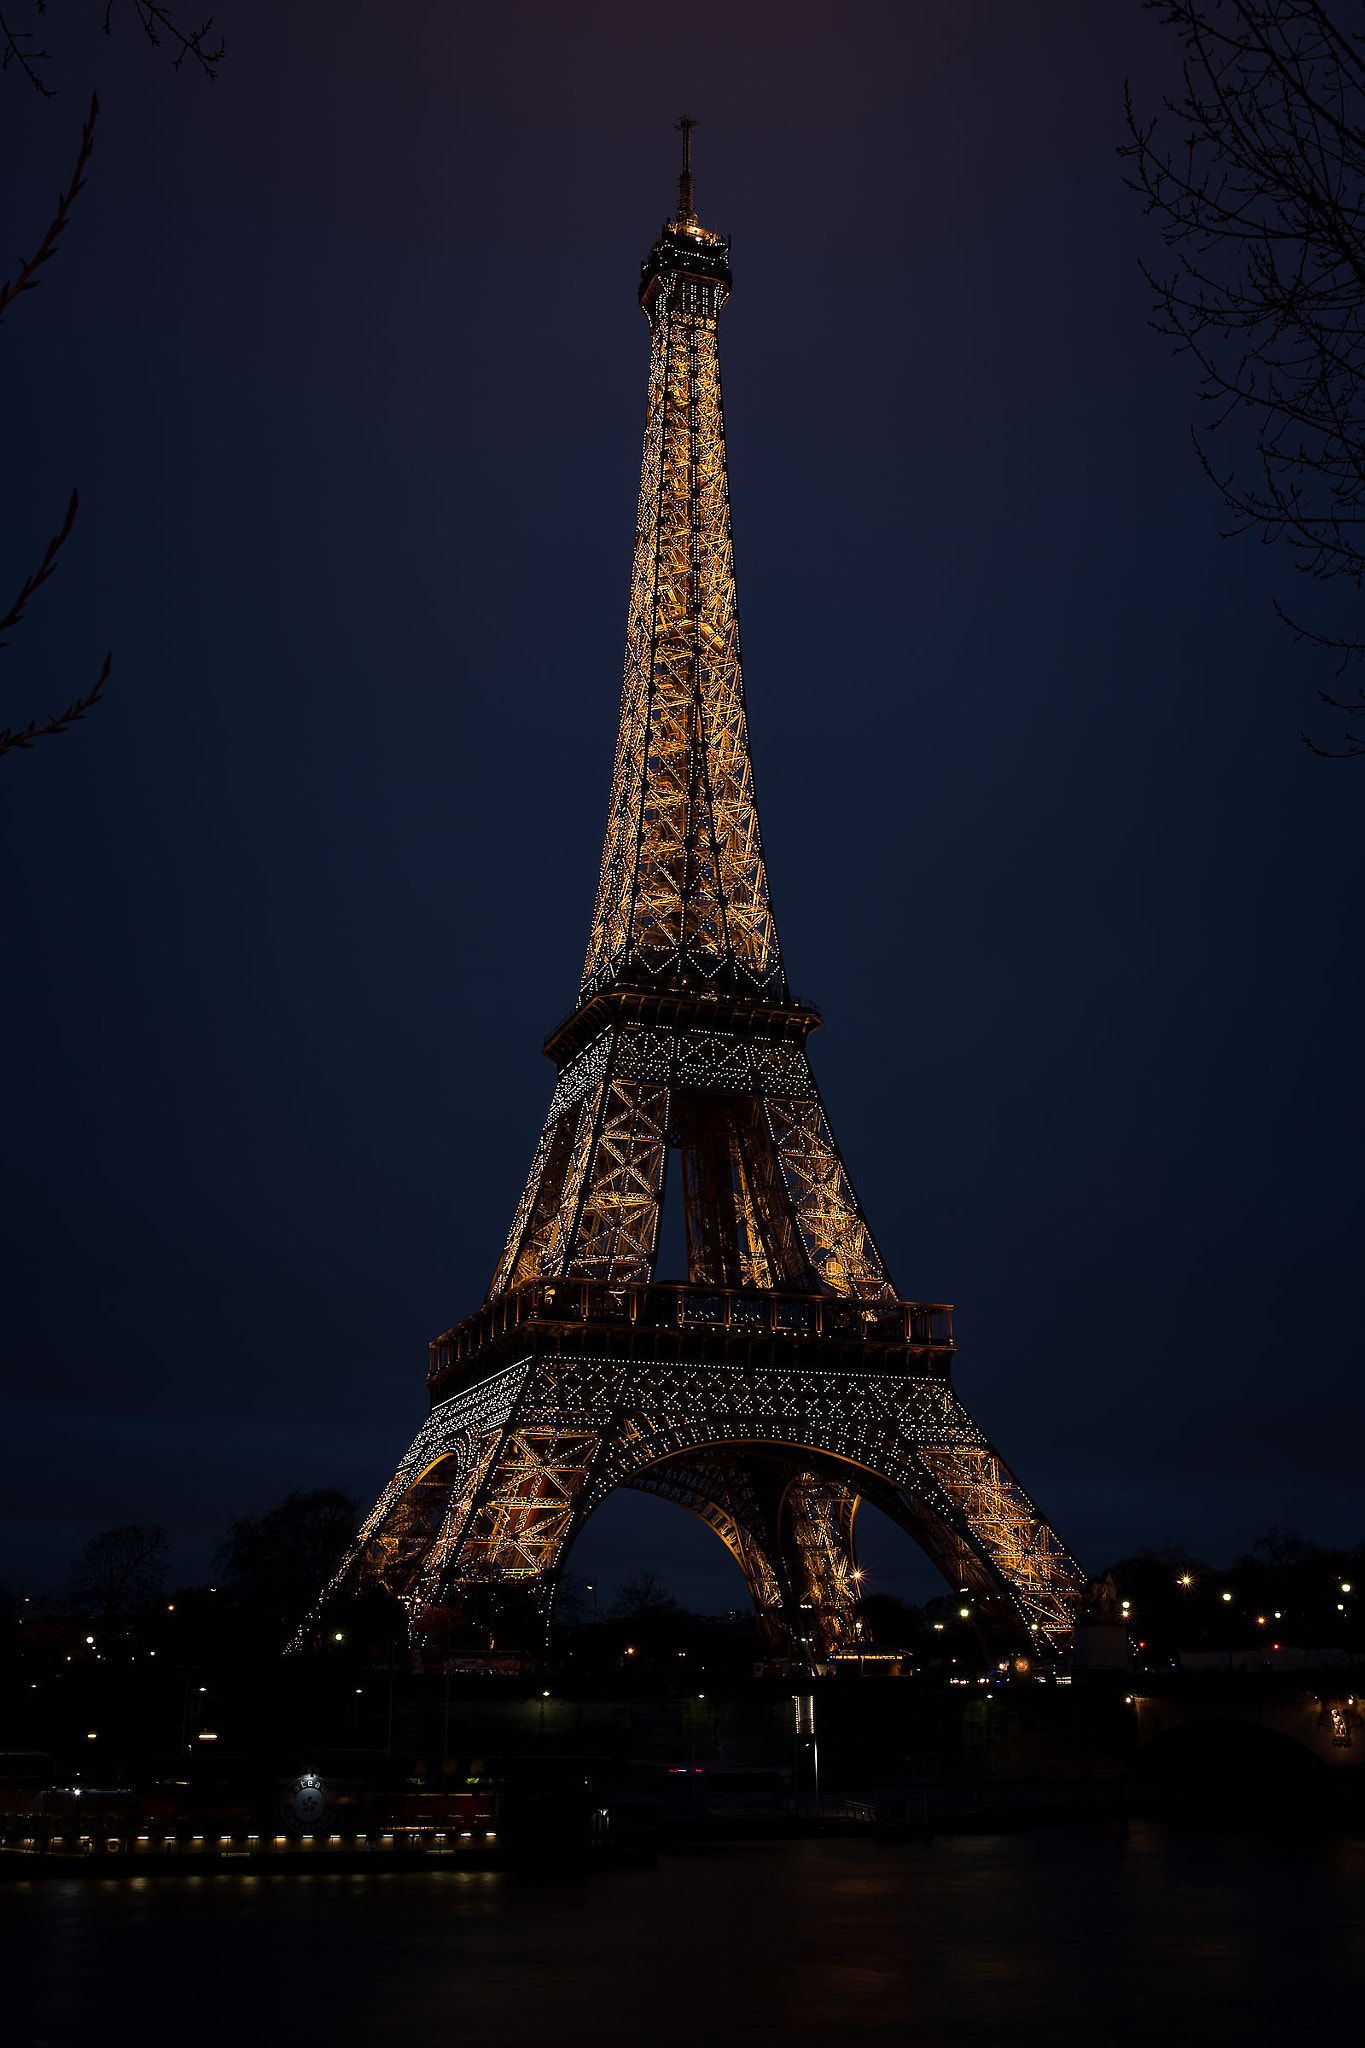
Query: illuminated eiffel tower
{"x": 786, "y": 1380}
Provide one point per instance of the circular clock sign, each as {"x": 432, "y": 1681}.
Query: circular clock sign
{"x": 306, "y": 1800}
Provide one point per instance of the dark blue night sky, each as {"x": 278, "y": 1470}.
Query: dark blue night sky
{"x": 344, "y": 355}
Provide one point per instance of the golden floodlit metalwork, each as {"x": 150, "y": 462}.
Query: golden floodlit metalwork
{"x": 785, "y": 1381}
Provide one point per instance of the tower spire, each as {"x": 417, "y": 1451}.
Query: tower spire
{"x": 683, "y": 889}
{"x": 686, "y": 212}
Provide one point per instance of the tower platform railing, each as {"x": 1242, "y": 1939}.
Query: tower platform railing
{"x": 688, "y": 1305}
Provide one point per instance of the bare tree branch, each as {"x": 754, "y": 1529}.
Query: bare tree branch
{"x": 18, "y": 48}
{"x": 120, "y": 1571}
{"x": 10, "y": 738}
{"x": 26, "y": 60}
{"x": 43, "y": 571}
{"x": 158, "y": 25}
{"x": 28, "y": 279}
{"x": 1347, "y": 651}
{"x": 159, "y": 21}
{"x": 1352, "y": 751}
{"x": 1261, "y": 198}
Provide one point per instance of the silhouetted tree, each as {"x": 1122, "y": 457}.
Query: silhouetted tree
{"x": 120, "y": 1571}
{"x": 1285, "y": 1547}
{"x": 1260, "y": 191}
{"x": 886, "y": 1619}
{"x": 571, "y": 1600}
{"x": 276, "y": 1564}
{"x": 642, "y": 1597}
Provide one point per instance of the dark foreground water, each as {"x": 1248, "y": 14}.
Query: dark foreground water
{"x": 1060, "y": 1935}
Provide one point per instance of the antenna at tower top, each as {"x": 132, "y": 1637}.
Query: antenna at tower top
{"x": 685, "y": 212}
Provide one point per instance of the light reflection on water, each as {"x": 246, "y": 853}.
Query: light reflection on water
{"x": 1059, "y": 1935}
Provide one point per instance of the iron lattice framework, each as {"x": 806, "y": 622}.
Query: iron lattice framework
{"x": 785, "y": 1380}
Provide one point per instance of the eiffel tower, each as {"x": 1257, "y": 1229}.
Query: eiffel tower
{"x": 785, "y": 1381}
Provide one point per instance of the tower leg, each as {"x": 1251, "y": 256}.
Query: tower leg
{"x": 488, "y": 1496}
{"x": 819, "y": 1560}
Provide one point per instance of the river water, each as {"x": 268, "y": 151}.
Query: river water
{"x": 1057, "y": 1935}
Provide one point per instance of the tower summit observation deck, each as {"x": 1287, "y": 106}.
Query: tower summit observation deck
{"x": 785, "y": 1380}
